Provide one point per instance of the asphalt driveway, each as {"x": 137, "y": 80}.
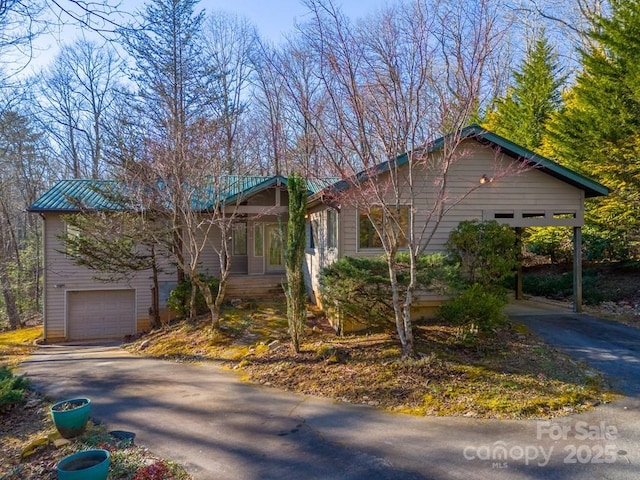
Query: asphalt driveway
{"x": 220, "y": 427}
{"x": 609, "y": 347}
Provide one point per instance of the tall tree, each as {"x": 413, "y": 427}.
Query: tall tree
{"x": 597, "y": 130}
{"x": 77, "y": 90}
{"x": 229, "y": 42}
{"x": 22, "y": 173}
{"x": 170, "y": 77}
{"x": 294, "y": 259}
{"x": 535, "y": 95}
{"x": 188, "y": 133}
{"x": 404, "y": 77}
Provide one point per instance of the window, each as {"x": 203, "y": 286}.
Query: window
{"x": 311, "y": 244}
{"x": 73, "y": 235}
{"x": 258, "y": 240}
{"x": 332, "y": 228}
{"x": 240, "y": 239}
{"x": 367, "y": 234}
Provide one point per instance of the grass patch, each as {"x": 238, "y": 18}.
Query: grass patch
{"x": 17, "y": 343}
{"x": 505, "y": 373}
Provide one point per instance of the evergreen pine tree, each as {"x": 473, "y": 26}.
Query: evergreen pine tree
{"x": 521, "y": 116}
{"x": 598, "y": 130}
{"x": 294, "y": 260}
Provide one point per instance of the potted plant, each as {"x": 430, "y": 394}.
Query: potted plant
{"x": 71, "y": 416}
{"x": 86, "y": 465}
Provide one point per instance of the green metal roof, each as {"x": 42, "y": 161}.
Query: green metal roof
{"x": 77, "y": 195}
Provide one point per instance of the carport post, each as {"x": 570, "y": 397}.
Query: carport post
{"x": 519, "y": 295}
{"x": 577, "y": 269}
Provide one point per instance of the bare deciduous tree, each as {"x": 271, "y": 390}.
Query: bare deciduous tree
{"x": 77, "y": 90}
{"x": 22, "y": 173}
{"x": 394, "y": 83}
{"x": 229, "y": 41}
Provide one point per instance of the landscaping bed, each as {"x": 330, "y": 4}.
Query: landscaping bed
{"x": 508, "y": 374}
{"x": 610, "y": 290}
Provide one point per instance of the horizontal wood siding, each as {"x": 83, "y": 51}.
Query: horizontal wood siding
{"x": 62, "y": 275}
{"x": 512, "y": 189}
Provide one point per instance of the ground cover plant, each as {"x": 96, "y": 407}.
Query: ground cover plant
{"x": 506, "y": 373}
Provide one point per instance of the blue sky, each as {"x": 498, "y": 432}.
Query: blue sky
{"x": 273, "y": 18}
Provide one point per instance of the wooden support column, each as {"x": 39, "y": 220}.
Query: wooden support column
{"x": 519, "y": 295}
{"x": 577, "y": 269}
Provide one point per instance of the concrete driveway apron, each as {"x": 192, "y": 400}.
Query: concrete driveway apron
{"x": 222, "y": 428}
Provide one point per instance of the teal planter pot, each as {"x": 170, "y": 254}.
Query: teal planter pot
{"x": 87, "y": 465}
{"x": 71, "y": 416}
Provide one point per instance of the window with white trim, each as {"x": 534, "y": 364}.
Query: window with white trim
{"x": 332, "y": 228}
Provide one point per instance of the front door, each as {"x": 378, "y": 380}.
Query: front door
{"x": 275, "y": 248}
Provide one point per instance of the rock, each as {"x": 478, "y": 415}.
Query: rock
{"x": 33, "y": 403}
{"x": 145, "y": 344}
{"x": 33, "y": 447}
{"x": 60, "y": 442}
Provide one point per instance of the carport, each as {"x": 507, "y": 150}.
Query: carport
{"x": 544, "y": 217}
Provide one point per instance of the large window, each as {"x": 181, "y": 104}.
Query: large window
{"x": 368, "y": 236}
{"x": 240, "y": 239}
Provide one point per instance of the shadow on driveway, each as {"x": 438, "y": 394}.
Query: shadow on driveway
{"x": 220, "y": 427}
{"x": 609, "y": 347}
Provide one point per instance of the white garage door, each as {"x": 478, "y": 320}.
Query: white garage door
{"x": 96, "y": 314}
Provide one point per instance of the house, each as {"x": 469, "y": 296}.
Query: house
{"x": 78, "y": 306}
{"x": 493, "y": 179}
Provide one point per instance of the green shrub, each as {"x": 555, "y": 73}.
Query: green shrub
{"x": 485, "y": 251}
{"x": 475, "y": 308}
{"x": 11, "y": 387}
{"x": 358, "y": 289}
{"x": 180, "y": 297}
{"x": 557, "y": 244}
{"x": 559, "y": 285}
{"x": 598, "y": 246}
{"x": 553, "y": 242}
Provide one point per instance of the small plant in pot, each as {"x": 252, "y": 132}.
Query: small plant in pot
{"x": 86, "y": 465}
{"x": 71, "y": 416}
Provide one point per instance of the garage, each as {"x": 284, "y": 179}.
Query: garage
{"x": 100, "y": 314}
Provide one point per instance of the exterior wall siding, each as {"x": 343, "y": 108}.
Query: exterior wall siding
{"x": 62, "y": 276}
{"x": 510, "y": 189}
